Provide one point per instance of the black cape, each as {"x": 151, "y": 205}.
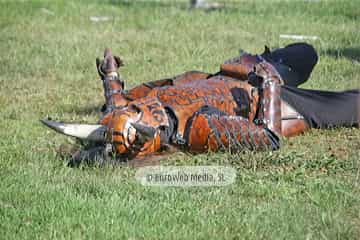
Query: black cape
{"x": 324, "y": 109}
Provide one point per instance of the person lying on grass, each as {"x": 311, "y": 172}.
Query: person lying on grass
{"x": 251, "y": 103}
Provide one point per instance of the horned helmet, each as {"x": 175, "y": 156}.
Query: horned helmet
{"x": 130, "y": 127}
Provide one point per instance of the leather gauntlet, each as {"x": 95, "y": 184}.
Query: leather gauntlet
{"x": 234, "y": 133}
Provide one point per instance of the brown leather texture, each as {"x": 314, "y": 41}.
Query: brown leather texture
{"x": 187, "y": 99}
{"x": 239, "y": 71}
{"x": 270, "y": 112}
{"x": 292, "y": 123}
{"x": 272, "y": 107}
{"x": 117, "y": 99}
{"x": 233, "y": 133}
{"x": 214, "y": 132}
{"x": 239, "y": 67}
{"x": 112, "y": 84}
{"x": 190, "y": 76}
{"x": 144, "y": 89}
{"x": 146, "y": 111}
{"x": 293, "y": 127}
{"x": 268, "y": 72}
{"x": 185, "y": 95}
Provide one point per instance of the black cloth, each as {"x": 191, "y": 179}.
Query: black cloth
{"x": 294, "y": 62}
{"x": 324, "y": 109}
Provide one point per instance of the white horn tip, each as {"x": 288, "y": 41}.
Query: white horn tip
{"x": 91, "y": 132}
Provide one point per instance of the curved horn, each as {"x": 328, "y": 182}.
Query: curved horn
{"x": 95, "y": 132}
{"x": 143, "y": 132}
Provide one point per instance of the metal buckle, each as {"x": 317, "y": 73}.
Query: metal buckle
{"x": 179, "y": 139}
{"x": 258, "y": 121}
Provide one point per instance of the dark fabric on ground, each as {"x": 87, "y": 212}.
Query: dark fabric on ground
{"x": 324, "y": 109}
{"x": 294, "y": 62}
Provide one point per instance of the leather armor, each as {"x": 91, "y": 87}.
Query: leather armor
{"x": 196, "y": 112}
{"x": 215, "y": 130}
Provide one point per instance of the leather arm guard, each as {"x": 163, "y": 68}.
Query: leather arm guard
{"x": 113, "y": 84}
{"x": 213, "y": 130}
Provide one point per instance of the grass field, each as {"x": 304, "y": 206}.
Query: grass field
{"x": 307, "y": 190}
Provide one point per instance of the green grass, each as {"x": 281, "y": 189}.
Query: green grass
{"x": 307, "y": 190}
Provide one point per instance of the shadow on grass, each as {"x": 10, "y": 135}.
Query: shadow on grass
{"x": 352, "y": 53}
